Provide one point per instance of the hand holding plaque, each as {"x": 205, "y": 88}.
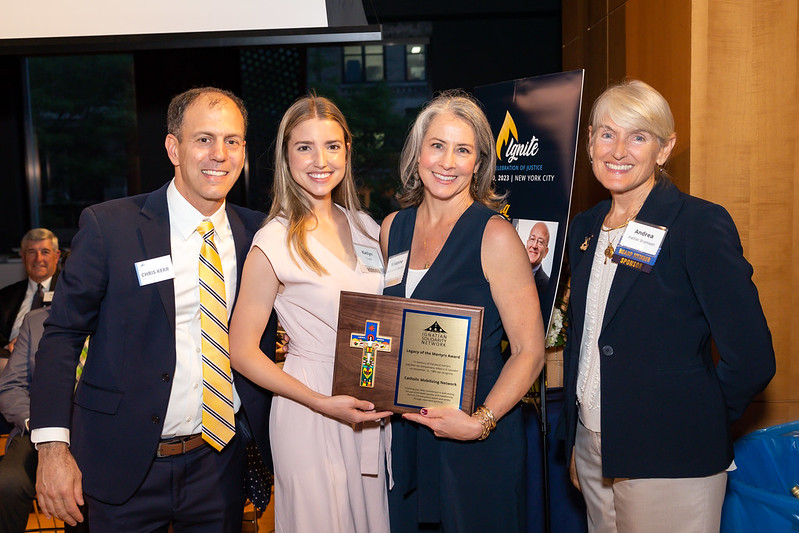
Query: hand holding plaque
{"x": 403, "y": 354}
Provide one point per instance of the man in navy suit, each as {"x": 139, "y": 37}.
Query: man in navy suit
{"x": 129, "y": 436}
{"x": 40, "y": 254}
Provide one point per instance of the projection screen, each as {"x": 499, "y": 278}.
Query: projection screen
{"x": 71, "y": 26}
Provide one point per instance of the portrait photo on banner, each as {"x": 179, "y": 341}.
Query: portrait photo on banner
{"x": 538, "y": 239}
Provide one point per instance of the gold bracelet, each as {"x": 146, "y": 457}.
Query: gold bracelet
{"x": 487, "y": 419}
{"x": 491, "y": 417}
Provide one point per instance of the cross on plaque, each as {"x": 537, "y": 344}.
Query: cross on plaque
{"x": 371, "y": 343}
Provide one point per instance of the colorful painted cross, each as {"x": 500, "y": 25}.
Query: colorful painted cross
{"x": 371, "y": 343}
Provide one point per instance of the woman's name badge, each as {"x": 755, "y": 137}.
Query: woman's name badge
{"x": 154, "y": 270}
{"x": 369, "y": 258}
{"x": 396, "y": 268}
{"x": 639, "y": 246}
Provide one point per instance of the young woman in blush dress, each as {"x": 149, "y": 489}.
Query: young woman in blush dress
{"x": 328, "y": 452}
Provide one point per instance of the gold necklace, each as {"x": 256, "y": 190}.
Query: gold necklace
{"x": 609, "y": 250}
{"x": 620, "y": 225}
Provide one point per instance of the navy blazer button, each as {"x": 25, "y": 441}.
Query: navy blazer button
{"x": 165, "y": 377}
{"x": 156, "y": 419}
{"x": 607, "y": 350}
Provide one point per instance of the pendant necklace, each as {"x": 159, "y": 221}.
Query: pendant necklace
{"x": 609, "y": 250}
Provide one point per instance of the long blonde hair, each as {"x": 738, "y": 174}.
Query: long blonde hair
{"x": 289, "y": 200}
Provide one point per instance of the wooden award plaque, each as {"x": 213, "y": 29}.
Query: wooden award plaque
{"x": 403, "y": 354}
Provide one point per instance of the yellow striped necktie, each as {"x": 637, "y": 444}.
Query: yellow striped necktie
{"x": 218, "y": 417}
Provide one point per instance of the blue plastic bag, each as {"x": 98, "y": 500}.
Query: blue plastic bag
{"x": 759, "y": 491}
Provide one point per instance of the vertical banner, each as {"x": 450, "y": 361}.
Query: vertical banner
{"x": 535, "y": 122}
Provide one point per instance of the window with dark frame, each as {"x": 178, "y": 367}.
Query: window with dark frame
{"x": 415, "y": 62}
{"x": 363, "y": 64}
{"x": 85, "y": 139}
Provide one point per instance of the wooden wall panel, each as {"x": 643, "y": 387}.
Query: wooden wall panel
{"x": 617, "y": 45}
{"x": 658, "y": 51}
{"x": 597, "y": 10}
{"x": 572, "y": 23}
{"x": 745, "y": 112}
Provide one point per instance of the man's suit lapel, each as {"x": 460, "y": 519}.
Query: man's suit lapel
{"x": 154, "y": 235}
{"x": 242, "y": 238}
{"x": 660, "y": 208}
{"x": 14, "y": 303}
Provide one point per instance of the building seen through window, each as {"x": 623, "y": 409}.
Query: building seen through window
{"x": 415, "y": 64}
{"x": 363, "y": 63}
{"x": 375, "y": 63}
{"x": 84, "y": 149}
{"x": 83, "y": 114}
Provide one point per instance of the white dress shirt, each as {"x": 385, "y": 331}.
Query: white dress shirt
{"x": 184, "y": 413}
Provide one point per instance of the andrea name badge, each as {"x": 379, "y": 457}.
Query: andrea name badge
{"x": 639, "y": 246}
{"x": 396, "y": 268}
{"x": 369, "y": 258}
{"x": 154, "y": 270}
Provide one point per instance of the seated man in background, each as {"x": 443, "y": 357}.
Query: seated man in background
{"x": 40, "y": 254}
{"x": 18, "y": 467}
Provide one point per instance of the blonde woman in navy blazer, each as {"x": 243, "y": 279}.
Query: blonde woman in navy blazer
{"x": 647, "y": 411}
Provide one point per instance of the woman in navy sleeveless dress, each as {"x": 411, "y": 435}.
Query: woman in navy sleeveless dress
{"x": 453, "y": 472}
